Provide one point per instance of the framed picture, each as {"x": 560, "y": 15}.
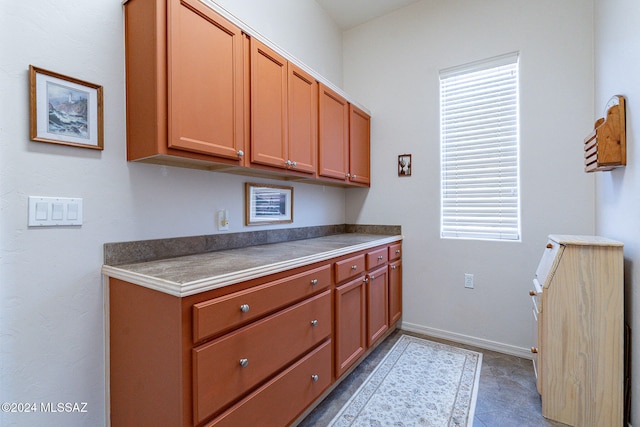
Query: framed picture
{"x": 268, "y": 204}
{"x": 65, "y": 110}
{"x": 404, "y": 165}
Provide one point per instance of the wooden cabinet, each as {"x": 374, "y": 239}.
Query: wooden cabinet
{"x": 395, "y": 291}
{"x": 377, "y": 285}
{"x": 284, "y": 112}
{"x": 351, "y": 324}
{"x": 258, "y": 352}
{"x": 185, "y": 75}
{"x": 203, "y": 94}
{"x": 579, "y": 308}
{"x": 333, "y": 135}
{"x": 364, "y": 303}
{"x": 344, "y": 140}
{"x": 359, "y": 146}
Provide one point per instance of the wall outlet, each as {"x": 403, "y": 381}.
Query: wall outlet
{"x": 468, "y": 280}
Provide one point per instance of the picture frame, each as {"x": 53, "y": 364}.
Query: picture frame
{"x": 65, "y": 110}
{"x": 268, "y": 204}
{"x": 404, "y": 165}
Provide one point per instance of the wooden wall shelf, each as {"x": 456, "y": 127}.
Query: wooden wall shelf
{"x": 606, "y": 147}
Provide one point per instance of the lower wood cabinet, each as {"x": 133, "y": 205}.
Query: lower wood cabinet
{"x": 351, "y": 326}
{"x": 256, "y": 353}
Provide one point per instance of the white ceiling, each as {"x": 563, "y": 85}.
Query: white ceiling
{"x": 350, "y": 13}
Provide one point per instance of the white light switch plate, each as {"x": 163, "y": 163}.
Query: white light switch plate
{"x": 54, "y": 211}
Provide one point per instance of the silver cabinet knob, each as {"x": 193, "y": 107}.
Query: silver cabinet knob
{"x": 244, "y": 308}
{"x": 354, "y": 267}
{"x": 366, "y": 279}
{"x": 348, "y": 175}
{"x": 314, "y": 322}
{"x": 380, "y": 257}
{"x": 314, "y": 282}
{"x": 288, "y": 163}
{"x": 240, "y": 153}
{"x": 393, "y": 267}
{"x": 294, "y": 164}
{"x": 397, "y": 251}
{"x": 244, "y": 362}
{"x": 354, "y": 176}
{"x": 314, "y": 378}
{"x": 372, "y": 277}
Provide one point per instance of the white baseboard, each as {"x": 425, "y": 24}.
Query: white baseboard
{"x": 469, "y": 340}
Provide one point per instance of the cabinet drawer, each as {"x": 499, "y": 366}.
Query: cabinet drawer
{"x": 395, "y": 251}
{"x": 376, "y": 258}
{"x": 349, "y": 268}
{"x": 230, "y": 311}
{"x": 280, "y": 401}
{"x": 232, "y": 365}
{"x": 551, "y": 256}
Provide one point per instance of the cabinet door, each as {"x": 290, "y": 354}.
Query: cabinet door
{"x": 377, "y": 304}
{"x": 350, "y": 325}
{"x": 303, "y": 120}
{"x": 269, "y": 121}
{"x": 205, "y": 81}
{"x": 333, "y": 142}
{"x": 395, "y": 292}
{"x": 359, "y": 146}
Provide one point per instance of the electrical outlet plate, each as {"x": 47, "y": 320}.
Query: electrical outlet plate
{"x": 468, "y": 281}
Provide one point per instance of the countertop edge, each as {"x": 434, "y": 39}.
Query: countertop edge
{"x": 215, "y": 282}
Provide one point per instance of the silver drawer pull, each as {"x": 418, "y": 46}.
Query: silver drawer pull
{"x": 244, "y": 308}
{"x": 314, "y": 378}
{"x": 380, "y": 258}
{"x": 393, "y": 267}
{"x": 314, "y": 322}
{"x": 366, "y": 279}
{"x": 372, "y": 277}
{"x": 240, "y": 153}
{"x": 244, "y": 362}
{"x": 397, "y": 251}
{"x": 354, "y": 267}
{"x": 314, "y": 282}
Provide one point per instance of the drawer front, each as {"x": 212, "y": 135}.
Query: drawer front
{"x": 281, "y": 400}
{"x": 225, "y": 313}
{"x": 232, "y": 365}
{"x": 395, "y": 251}
{"x": 349, "y": 268}
{"x": 377, "y": 258}
{"x": 550, "y": 257}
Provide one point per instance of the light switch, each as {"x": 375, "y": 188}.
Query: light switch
{"x": 54, "y": 211}
{"x": 57, "y": 211}
{"x": 42, "y": 211}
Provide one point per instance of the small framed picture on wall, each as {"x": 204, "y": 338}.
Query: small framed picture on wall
{"x": 404, "y": 165}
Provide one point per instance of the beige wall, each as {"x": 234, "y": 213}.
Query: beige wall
{"x": 51, "y": 295}
{"x": 399, "y": 55}
{"x": 617, "y": 72}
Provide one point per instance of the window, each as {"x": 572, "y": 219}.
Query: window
{"x": 479, "y": 148}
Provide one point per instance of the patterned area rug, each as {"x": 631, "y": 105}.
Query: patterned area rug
{"x": 418, "y": 383}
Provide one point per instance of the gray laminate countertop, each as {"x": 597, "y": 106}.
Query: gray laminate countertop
{"x": 192, "y": 274}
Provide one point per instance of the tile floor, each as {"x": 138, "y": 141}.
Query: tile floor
{"x": 507, "y": 394}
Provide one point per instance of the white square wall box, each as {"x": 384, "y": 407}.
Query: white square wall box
{"x": 54, "y": 211}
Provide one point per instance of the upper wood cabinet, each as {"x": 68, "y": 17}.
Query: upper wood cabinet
{"x": 359, "y": 146}
{"x": 283, "y": 112}
{"x": 185, "y": 82}
{"x": 344, "y": 134}
{"x": 333, "y": 132}
{"x": 202, "y": 93}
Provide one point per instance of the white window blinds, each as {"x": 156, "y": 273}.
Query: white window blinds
{"x": 479, "y": 148}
